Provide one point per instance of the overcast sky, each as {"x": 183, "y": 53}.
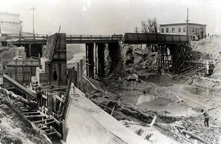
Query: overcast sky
{"x": 111, "y": 16}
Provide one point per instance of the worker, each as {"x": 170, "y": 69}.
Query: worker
{"x": 206, "y": 117}
{"x": 142, "y": 98}
{"x": 133, "y": 79}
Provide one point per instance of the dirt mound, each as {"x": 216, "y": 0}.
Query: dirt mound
{"x": 209, "y": 45}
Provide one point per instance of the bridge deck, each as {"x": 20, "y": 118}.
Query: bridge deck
{"x": 144, "y": 38}
{"x": 129, "y": 38}
{"x": 70, "y": 39}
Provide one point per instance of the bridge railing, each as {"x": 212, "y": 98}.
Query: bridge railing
{"x": 30, "y": 37}
{"x": 94, "y": 37}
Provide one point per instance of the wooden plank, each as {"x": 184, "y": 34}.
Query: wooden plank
{"x": 39, "y": 121}
{"x": 195, "y": 136}
{"x": 78, "y": 75}
{"x": 51, "y": 133}
{"x": 50, "y": 103}
{"x": 35, "y": 116}
{"x": 26, "y": 113}
{"x": 47, "y": 123}
{"x": 47, "y": 130}
{"x": 81, "y": 75}
{"x": 18, "y": 85}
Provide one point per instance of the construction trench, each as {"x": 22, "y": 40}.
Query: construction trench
{"x": 178, "y": 83}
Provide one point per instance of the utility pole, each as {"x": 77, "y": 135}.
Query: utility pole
{"x": 33, "y": 10}
{"x": 0, "y": 27}
{"x": 136, "y": 30}
{"x": 187, "y": 20}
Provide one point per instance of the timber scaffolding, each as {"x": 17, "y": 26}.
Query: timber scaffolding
{"x": 48, "y": 113}
{"x": 173, "y": 50}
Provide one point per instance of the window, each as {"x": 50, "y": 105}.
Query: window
{"x": 184, "y": 29}
{"x": 196, "y": 30}
{"x": 173, "y": 30}
{"x": 167, "y": 30}
{"x": 179, "y": 29}
{"x": 162, "y": 30}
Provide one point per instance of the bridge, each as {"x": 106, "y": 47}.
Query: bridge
{"x": 70, "y": 39}
{"x": 96, "y": 44}
{"x": 130, "y": 38}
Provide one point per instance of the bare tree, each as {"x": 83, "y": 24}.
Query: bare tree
{"x": 149, "y": 26}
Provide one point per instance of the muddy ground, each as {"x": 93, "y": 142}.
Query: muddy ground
{"x": 174, "y": 100}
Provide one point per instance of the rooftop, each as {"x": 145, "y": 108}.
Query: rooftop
{"x": 182, "y": 24}
{"x": 6, "y": 13}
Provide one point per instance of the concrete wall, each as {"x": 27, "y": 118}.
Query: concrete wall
{"x": 89, "y": 124}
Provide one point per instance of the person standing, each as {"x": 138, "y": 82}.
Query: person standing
{"x": 206, "y": 117}
{"x": 141, "y": 99}
{"x": 132, "y": 79}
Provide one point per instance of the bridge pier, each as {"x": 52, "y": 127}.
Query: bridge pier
{"x": 100, "y": 65}
{"x": 95, "y": 58}
{"x": 90, "y": 59}
{"x": 115, "y": 55}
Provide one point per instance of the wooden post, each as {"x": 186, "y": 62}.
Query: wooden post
{"x": 73, "y": 75}
{"x": 29, "y": 50}
{"x": 75, "y": 78}
{"x": 81, "y": 75}
{"x": 95, "y": 59}
{"x": 50, "y": 104}
{"x": 87, "y": 61}
{"x": 91, "y": 59}
{"x": 78, "y": 75}
{"x": 16, "y": 69}
{"x": 101, "y": 48}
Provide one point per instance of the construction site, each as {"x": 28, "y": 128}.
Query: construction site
{"x": 130, "y": 88}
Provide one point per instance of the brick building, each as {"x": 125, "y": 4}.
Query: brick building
{"x": 198, "y": 30}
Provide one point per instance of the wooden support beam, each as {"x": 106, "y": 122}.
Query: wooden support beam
{"x": 39, "y": 121}
{"x": 58, "y": 122}
{"x": 59, "y": 135}
{"x": 27, "y": 113}
{"x": 35, "y": 116}
{"x": 26, "y": 110}
{"x": 47, "y": 130}
{"x": 78, "y": 75}
{"x": 101, "y": 48}
{"x": 91, "y": 59}
{"x": 47, "y": 123}
{"x": 195, "y": 136}
{"x": 51, "y": 133}
{"x": 81, "y": 75}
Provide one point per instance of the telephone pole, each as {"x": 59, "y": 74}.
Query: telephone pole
{"x": 187, "y": 20}
{"x": 136, "y": 30}
{"x": 33, "y": 10}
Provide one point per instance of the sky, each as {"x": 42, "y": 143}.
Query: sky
{"x": 106, "y": 17}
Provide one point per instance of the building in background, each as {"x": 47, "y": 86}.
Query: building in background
{"x": 195, "y": 31}
{"x": 10, "y": 23}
